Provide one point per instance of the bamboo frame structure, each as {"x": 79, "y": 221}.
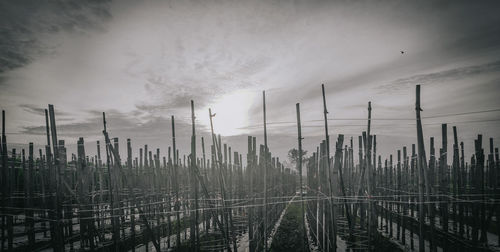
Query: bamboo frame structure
{"x": 56, "y": 201}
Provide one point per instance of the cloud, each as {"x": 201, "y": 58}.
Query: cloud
{"x": 434, "y": 78}
{"x": 33, "y": 109}
{"x": 144, "y": 61}
{"x": 156, "y": 132}
{"x": 91, "y": 126}
{"x": 29, "y": 26}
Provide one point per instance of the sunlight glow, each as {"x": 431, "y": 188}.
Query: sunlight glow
{"x": 232, "y": 112}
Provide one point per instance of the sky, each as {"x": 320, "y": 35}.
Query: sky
{"x": 142, "y": 62}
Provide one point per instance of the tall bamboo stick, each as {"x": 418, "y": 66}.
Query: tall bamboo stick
{"x": 194, "y": 227}
{"x": 371, "y": 218}
{"x": 4, "y": 183}
{"x": 59, "y": 238}
{"x": 299, "y": 168}
{"x": 176, "y": 185}
{"x": 330, "y": 185}
{"x": 421, "y": 160}
{"x": 265, "y": 168}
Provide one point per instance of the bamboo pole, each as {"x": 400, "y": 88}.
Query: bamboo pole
{"x": 391, "y": 205}
{"x": 218, "y": 164}
{"x": 480, "y": 167}
{"x": 414, "y": 182}
{"x": 455, "y": 180}
{"x": 386, "y": 185}
{"x": 5, "y": 187}
{"x": 43, "y": 185}
{"x": 170, "y": 189}
{"x": 265, "y": 169}
{"x": 430, "y": 208}
{"x": 205, "y": 176}
{"x": 432, "y": 165}
{"x": 29, "y": 200}
{"x": 405, "y": 199}
{"x": 371, "y": 226}
{"x": 337, "y": 167}
{"x": 377, "y": 164}
{"x": 398, "y": 186}
{"x": 194, "y": 227}
{"x": 332, "y": 207}
{"x": 101, "y": 191}
{"x": 299, "y": 168}
{"x": 133, "y": 203}
{"x": 420, "y": 164}
{"x": 461, "y": 190}
{"x": 111, "y": 186}
{"x": 59, "y": 238}
{"x": 444, "y": 177}
{"x": 51, "y": 182}
{"x": 496, "y": 181}
{"x": 250, "y": 171}
{"x": 176, "y": 185}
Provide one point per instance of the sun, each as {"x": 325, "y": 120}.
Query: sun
{"x": 231, "y": 112}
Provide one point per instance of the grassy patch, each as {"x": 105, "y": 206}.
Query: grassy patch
{"x": 289, "y": 236}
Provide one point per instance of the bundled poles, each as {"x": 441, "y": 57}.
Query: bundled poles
{"x": 87, "y": 230}
{"x": 88, "y": 208}
{"x": 112, "y": 189}
{"x": 338, "y": 167}
{"x": 218, "y": 165}
{"x": 359, "y": 190}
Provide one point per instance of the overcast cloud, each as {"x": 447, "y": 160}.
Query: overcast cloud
{"x": 143, "y": 61}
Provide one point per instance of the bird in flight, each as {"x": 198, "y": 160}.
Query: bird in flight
{"x": 402, "y": 52}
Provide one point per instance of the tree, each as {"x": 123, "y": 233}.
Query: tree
{"x": 293, "y": 156}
